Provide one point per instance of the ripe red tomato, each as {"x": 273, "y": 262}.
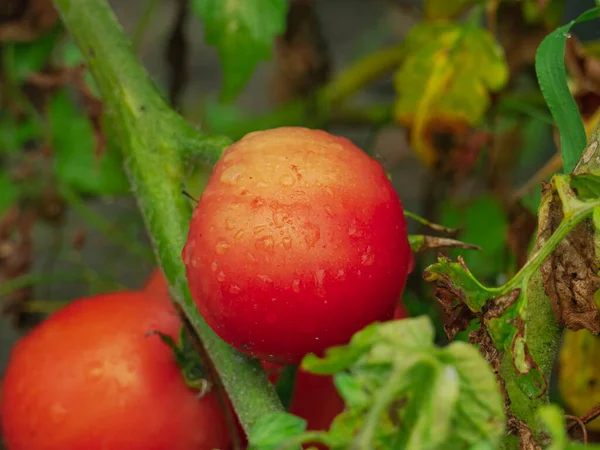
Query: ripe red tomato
{"x": 298, "y": 241}
{"x": 90, "y": 377}
{"x": 156, "y": 284}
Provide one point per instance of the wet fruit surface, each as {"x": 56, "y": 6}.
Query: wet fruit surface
{"x": 298, "y": 241}
{"x": 90, "y": 377}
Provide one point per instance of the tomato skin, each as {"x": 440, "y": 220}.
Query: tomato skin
{"x": 298, "y": 241}
{"x": 156, "y": 284}
{"x": 90, "y": 378}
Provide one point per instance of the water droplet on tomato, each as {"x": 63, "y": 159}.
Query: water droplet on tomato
{"x": 279, "y": 218}
{"x": 296, "y": 286}
{"x": 319, "y": 279}
{"x": 230, "y": 223}
{"x": 239, "y": 235}
{"x": 287, "y": 242}
{"x": 368, "y": 259}
{"x": 232, "y": 174}
{"x": 221, "y": 276}
{"x": 312, "y": 234}
{"x": 214, "y": 266}
{"x": 265, "y": 278}
{"x": 233, "y": 289}
{"x": 341, "y": 274}
{"x": 329, "y": 211}
{"x": 221, "y": 247}
{"x": 94, "y": 371}
{"x": 259, "y": 229}
{"x": 264, "y": 243}
{"x": 354, "y": 230}
{"x": 287, "y": 180}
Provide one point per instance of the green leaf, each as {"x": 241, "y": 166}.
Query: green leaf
{"x": 447, "y": 76}
{"x": 243, "y": 32}
{"x": 554, "y": 420}
{"x": 402, "y": 391}
{"x": 271, "y": 430}
{"x": 22, "y": 59}
{"x": 551, "y": 74}
{"x": 484, "y": 224}
{"x": 74, "y": 144}
{"x": 15, "y": 134}
{"x": 586, "y": 185}
{"x": 9, "y": 192}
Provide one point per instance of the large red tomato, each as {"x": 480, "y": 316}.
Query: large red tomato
{"x": 90, "y": 377}
{"x": 298, "y": 241}
{"x": 156, "y": 284}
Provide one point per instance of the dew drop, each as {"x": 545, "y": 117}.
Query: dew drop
{"x": 287, "y": 242}
{"x": 296, "y": 286}
{"x": 233, "y": 289}
{"x": 221, "y": 248}
{"x": 259, "y": 229}
{"x": 194, "y": 263}
{"x": 239, "y": 235}
{"x": 251, "y": 257}
{"x": 230, "y": 223}
{"x": 257, "y": 202}
{"x": 262, "y": 185}
{"x": 264, "y": 243}
{"x": 287, "y": 180}
{"x": 279, "y": 218}
{"x": 368, "y": 258}
{"x": 329, "y": 211}
{"x": 95, "y": 371}
{"x": 214, "y": 266}
{"x": 312, "y": 234}
{"x": 232, "y": 174}
{"x": 341, "y": 274}
{"x": 354, "y": 231}
{"x": 221, "y": 276}
{"x": 319, "y": 278}
{"x": 265, "y": 278}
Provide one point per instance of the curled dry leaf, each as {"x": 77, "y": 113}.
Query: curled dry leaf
{"x": 421, "y": 243}
{"x": 25, "y": 20}
{"x": 570, "y": 272}
{"x": 301, "y": 54}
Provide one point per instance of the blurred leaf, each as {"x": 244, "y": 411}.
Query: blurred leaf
{"x": 74, "y": 144}
{"x": 447, "y": 75}
{"x": 444, "y": 9}
{"x": 9, "y": 192}
{"x": 405, "y": 392}
{"x": 551, "y": 74}
{"x": 483, "y": 223}
{"x": 20, "y": 59}
{"x": 243, "y": 33}
{"x": 272, "y": 429}
{"x": 587, "y": 185}
{"x": 14, "y": 134}
{"x": 554, "y": 419}
{"x": 550, "y": 12}
{"x": 579, "y": 375}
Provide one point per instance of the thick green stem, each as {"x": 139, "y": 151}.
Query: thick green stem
{"x": 153, "y": 138}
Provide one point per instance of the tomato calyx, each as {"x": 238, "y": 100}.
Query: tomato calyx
{"x": 188, "y": 360}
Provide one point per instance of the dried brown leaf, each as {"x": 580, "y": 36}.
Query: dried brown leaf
{"x": 25, "y": 20}
{"x": 570, "y": 273}
{"x": 301, "y": 54}
{"x": 421, "y": 243}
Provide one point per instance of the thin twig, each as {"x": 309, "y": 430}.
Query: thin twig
{"x": 587, "y": 417}
{"x": 578, "y": 421}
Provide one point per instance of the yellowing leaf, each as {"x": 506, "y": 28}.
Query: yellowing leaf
{"x": 445, "y": 9}
{"x": 447, "y": 75}
{"x": 579, "y": 378}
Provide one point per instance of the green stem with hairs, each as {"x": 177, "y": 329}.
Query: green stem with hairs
{"x": 153, "y": 138}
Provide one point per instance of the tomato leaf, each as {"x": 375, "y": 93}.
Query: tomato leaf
{"x": 21, "y": 59}
{"x": 447, "y": 75}
{"x": 554, "y": 420}
{"x": 243, "y": 33}
{"x": 9, "y": 192}
{"x": 443, "y": 9}
{"x": 551, "y": 74}
{"x": 402, "y": 391}
{"x": 587, "y": 186}
{"x": 272, "y": 429}
{"x": 76, "y": 163}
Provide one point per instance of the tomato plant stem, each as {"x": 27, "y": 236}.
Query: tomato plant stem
{"x": 153, "y": 138}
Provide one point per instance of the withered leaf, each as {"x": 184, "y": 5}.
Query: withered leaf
{"x": 421, "y": 243}
{"x": 570, "y": 272}
{"x": 302, "y": 59}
